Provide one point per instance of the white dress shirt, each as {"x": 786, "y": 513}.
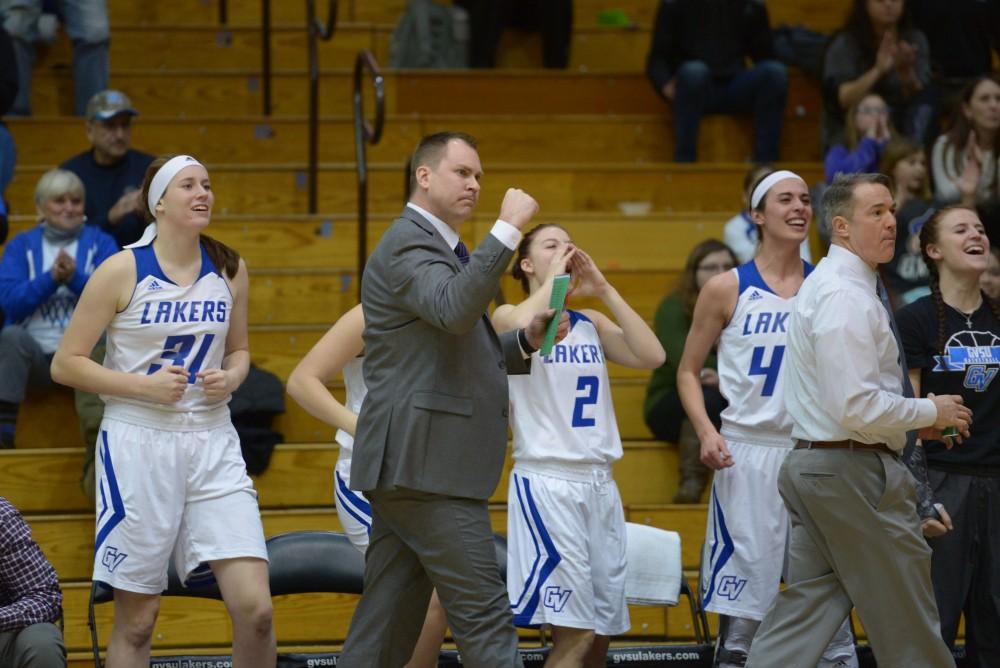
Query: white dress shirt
{"x": 843, "y": 378}
{"x": 508, "y": 235}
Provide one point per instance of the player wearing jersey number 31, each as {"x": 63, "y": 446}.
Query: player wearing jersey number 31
{"x": 170, "y": 476}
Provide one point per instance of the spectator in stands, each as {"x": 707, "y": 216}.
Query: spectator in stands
{"x": 879, "y": 51}
{"x": 86, "y": 23}
{"x": 964, "y": 160}
{"x": 963, "y": 36}
{"x": 488, "y": 20}
{"x": 42, "y": 274}
{"x": 905, "y": 161}
{"x": 942, "y": 335}
{"x": 30, "y": 599}
{"x": 662, "y": 410}
{"x": 865, "y": 137}
{"x": 696, "y": 62}
{"x": 740, "y": 233}
{"x": 989, "y": 282}
{"x": 111, "y": 170}
{"x": 8, "y": 90}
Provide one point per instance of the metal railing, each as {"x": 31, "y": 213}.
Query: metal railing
{"x": 265, "y": 56}
{"x": 365, "y": 133}
{"x": 316, "y": 30}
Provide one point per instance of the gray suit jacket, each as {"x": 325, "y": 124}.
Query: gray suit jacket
{"x": 435, "y": 417}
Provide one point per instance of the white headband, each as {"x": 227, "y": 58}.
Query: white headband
{"x": 165, "y": 175}
{"x": 768, "y": 182}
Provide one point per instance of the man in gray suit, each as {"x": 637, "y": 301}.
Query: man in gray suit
{"x": 432, "y": 432}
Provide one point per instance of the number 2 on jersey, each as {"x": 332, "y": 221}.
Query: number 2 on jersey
{"x": 176, "y": 350}
{"x": 770, "y": 372}
{"x": 588, "y": 384}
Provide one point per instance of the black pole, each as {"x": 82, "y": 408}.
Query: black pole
{"x": 365, "y": 133}
{"x": 265, "y": 54}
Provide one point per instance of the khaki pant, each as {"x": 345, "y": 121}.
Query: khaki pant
{"x": 855, "y": 541}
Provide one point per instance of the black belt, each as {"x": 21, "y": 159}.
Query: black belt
{"x": 847, "y": 444}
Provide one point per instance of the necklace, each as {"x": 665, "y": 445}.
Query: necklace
{"x": 967, "y": 316}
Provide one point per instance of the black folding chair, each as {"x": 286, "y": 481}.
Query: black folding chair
{"x": 314, "y": 561}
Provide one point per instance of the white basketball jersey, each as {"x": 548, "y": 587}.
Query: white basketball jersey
{"x": 354, "y": 383}
{"x": 165, "y": 323}
{"x": 562, "y": 410}
{"x": 751, "y": 352}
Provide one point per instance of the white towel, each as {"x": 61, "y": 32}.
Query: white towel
{"x": 654, "y": 571}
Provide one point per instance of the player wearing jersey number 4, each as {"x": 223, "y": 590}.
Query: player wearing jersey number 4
{"x": 170, "y": 476}
{"x": 566, "y": 526}
{"x": 746, "y": 310}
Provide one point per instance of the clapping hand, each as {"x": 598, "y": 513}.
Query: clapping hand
{"x": 968, "y": 181}
{"x": 63, "y": 267}
{"x": 906, "y": 59}
{"x": 885, "y": 58}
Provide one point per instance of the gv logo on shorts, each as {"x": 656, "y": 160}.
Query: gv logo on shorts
{"x": 731, "y": 587}
{"x": 556, "y": 598}
{"x": 112, "y": 558}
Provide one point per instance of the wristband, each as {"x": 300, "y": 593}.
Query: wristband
{"x": 522, "y": 339}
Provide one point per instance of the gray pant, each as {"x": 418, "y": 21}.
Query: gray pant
{"x": 37, "y": 646}
{"x": 22, "y": 363}
{"x": 855, "y": 541}
{"x": 420, "y": 542}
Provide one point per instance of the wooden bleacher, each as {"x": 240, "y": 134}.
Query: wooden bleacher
{"x": 582, "y": 140}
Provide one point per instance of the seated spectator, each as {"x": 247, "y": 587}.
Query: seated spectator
{"x": 879, "y": 51}
{"x": 865, "y": 137}
{"x": 30, "y": 599}
{"x": 111, "y": 170}
{"x": 42, "y": 274}
{"x": 964, "y": 160}
{"x": 86, "y": 24}
{"x": 696, "y": 62}
{"x": 963, "y": 36}
{"x": 906, "y": 276}
{"x": 8, "y": 157}
{"x": 662, "y": 410}
{"x": 989, "y": 282}
{"x": 741, "y": 232}
{"x": 487, "y": 21}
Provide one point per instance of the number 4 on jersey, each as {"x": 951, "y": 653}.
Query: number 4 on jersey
{"x": 770, "y": 372}
{"x": 176, "y": 350}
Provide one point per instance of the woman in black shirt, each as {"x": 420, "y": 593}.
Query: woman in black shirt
{"x": 952, "y": 343}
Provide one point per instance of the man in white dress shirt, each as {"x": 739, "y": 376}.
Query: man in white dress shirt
{"x": 855, "y": 536}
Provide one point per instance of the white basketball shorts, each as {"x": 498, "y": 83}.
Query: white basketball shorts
{"x": 163, "y": 493}
{"x": 566, "y": 548}
{"x": 747, "y": 531}
{"x": 353, "y": 509}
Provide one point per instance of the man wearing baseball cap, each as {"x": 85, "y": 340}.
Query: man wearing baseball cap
{"x": 111, "y": 170}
